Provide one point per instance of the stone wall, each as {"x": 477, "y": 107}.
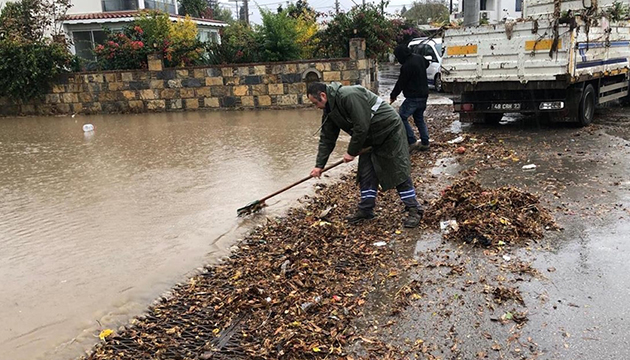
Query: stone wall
{"x": 243, "y": 86}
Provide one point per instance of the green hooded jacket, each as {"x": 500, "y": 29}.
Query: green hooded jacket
{"x": 355, "y": 110}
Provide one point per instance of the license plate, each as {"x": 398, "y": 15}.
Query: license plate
{"x": 516, "y": 106}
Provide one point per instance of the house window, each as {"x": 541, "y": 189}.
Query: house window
{"x": 119, "y": 5}
{"x": 519, "y": 5}
{"x": 85, "y": 41}
{"x": 163, "y": 5}
{"x": 483, "y": 5}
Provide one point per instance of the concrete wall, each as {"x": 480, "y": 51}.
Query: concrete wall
{"x": 85, "y": 6}
{"x": 248, "y": 86}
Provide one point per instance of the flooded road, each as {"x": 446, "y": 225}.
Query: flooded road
{"x": 95, "y": 226}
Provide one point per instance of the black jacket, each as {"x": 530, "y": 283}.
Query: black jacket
{"x": 412, "y": 80}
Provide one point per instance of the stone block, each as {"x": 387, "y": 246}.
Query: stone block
{"x": 362, "y": 64}
{"x": 92, "y": 108}
{"x": 264, "y": 100}
{"x": 321, "y": 67}
{"x": 215, "y": 72}
{"x": 211, "y": 102}
{"x": 139, "y": 85}
{"x": 169, "y": 94}
{"x": 148, "y": 94}
{"x": 350, "y": 75}
{"x": 97, "y": 78}
{"x": 115, "y": 86}
{"x": 167, "y": 75}
{"x": 251, "y": 80}
{"x": 182, "y": 74}
{"x": 244, "y": 70}
{"x": 174, "y": 84}
{"x": 241, "y": 90}
{"x": 126, "y": 76}
{"x": 215, "y": 80}
{"x": 174, "y": 104}
{"x": 110, "y": 78}
{"x": 331, "y": 76}
{"x": 58, "y": 89}
{"x": 277, "y": 69}
{"x": 231, "y": 80}
{"x": 229, "y": 101}
{"x": 338, "y": 66}
{"x": 93, "y": 87}
{"x": 191, "y": 104}
{"x": 220, "y": 91}
{"x": 62, "y": 108}
{"x": 346, "y": 82}
{"x": 193, "y": 83}
{"x": 287, "y": 100}
{"x": 260, "y": 69}
{"x": 108, "y": 96}
{"x": 199, "y": 73}
{"x": 290, "y": 68}
{"x": 27, "y": 109}
{"x": 77, "y": 108}
{"x": 302, "y": 67}
{"x": 129, "y": 95}
{"x": 156, "y": 84}
{"x": 276, "y": 89}
{"x": 50, "y": 99}
{"x": 297, "y": 88}
{"x": 228, "y": 72}
{"x": 291, "y": 78}
{"x": 156, "y": 65}
{"x": 136, "y": 105}
{"x": 153, "y": 105}
{"x": 185, "y": 93}
{"x": 259, "y": 89}
{"x": 78, "y": 87}
{"x": 70, "y": 98}
{"x": 86, "y": 97}
{"x": 203, "y": 92}
{"x": 247, "y": 101}
{"x": 306, "y": 100}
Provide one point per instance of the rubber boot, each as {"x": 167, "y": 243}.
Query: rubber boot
{"x": 359, "y": 216}
{"x": 414, "y": 215}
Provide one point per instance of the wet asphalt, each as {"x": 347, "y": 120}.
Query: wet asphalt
{"x": 578, "y": 307}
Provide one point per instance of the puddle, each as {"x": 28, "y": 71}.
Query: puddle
{"x": 446, "y": 166}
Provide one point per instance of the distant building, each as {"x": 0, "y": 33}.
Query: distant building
{"x": 86, "y": 20}
{"x": 494, "y": 11}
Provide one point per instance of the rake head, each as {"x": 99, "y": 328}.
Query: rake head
{"x": 250, "y": 208}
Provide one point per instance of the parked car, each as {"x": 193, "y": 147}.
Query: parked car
{"x": 432, "y": 50}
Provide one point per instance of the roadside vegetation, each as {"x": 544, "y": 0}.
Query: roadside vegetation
{"x": 34, "y": 50}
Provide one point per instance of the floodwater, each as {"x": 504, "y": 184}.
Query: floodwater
{"x": 95, "y": 226}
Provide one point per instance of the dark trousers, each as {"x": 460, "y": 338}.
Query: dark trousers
{"x": 415, "y": 107}
{"x": 368, "y": 182}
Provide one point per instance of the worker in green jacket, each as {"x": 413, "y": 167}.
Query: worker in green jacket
{"x": 370, "y": 122}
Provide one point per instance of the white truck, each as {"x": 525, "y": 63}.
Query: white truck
{"x": 563, "y": 58}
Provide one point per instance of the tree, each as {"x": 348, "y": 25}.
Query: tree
{"x": 363, "y": 21}
{"x": 194, "y": 8}
{"x": 433, "y": 11}
{"x": 279, "y": 36}
{"x": 222, "y": 14}
{"x": 32, "y": 19}
{"x": 301, "y": 9}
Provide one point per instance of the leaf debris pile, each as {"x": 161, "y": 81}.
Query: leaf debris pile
{"x": 489, "y": 217}
{"x": 291, "y": 291}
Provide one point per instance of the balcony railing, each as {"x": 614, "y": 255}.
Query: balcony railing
{"x": 166, "y": 6}
{"x": 119, "y": 5}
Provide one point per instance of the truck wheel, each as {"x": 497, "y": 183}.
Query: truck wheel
{"x": 438, "y": 83}
{"x": 492, "y": 118}
{"x": 587, "y": 106}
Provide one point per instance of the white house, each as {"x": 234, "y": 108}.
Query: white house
{"x": 86, "y": 19}
{"x": 494, "y": 11}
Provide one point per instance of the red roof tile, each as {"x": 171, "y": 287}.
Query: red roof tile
{"x": 129, "y": 14}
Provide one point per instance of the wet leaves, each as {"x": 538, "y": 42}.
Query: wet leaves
{"x": 490, "y": 216}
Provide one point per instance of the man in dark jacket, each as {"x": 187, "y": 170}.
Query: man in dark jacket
{"x": 412, "y": 81}
{"x": 371, "y": 123}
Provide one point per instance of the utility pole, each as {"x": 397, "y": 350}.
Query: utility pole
{"x": 246, "y": 10}
{"x": 336, "y": 6}
{"x": 238, "y": 14}
{"x": 471, "y": 12}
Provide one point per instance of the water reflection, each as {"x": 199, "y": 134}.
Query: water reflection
{"x": 95, "y": 226}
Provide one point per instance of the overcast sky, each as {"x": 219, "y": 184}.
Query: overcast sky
{"x": 318, "y": 5}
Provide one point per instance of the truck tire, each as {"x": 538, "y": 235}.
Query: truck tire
{"x": 586, "y": 110}
{"x": 438, "y": 83}
{"x": 492, "y": 118}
